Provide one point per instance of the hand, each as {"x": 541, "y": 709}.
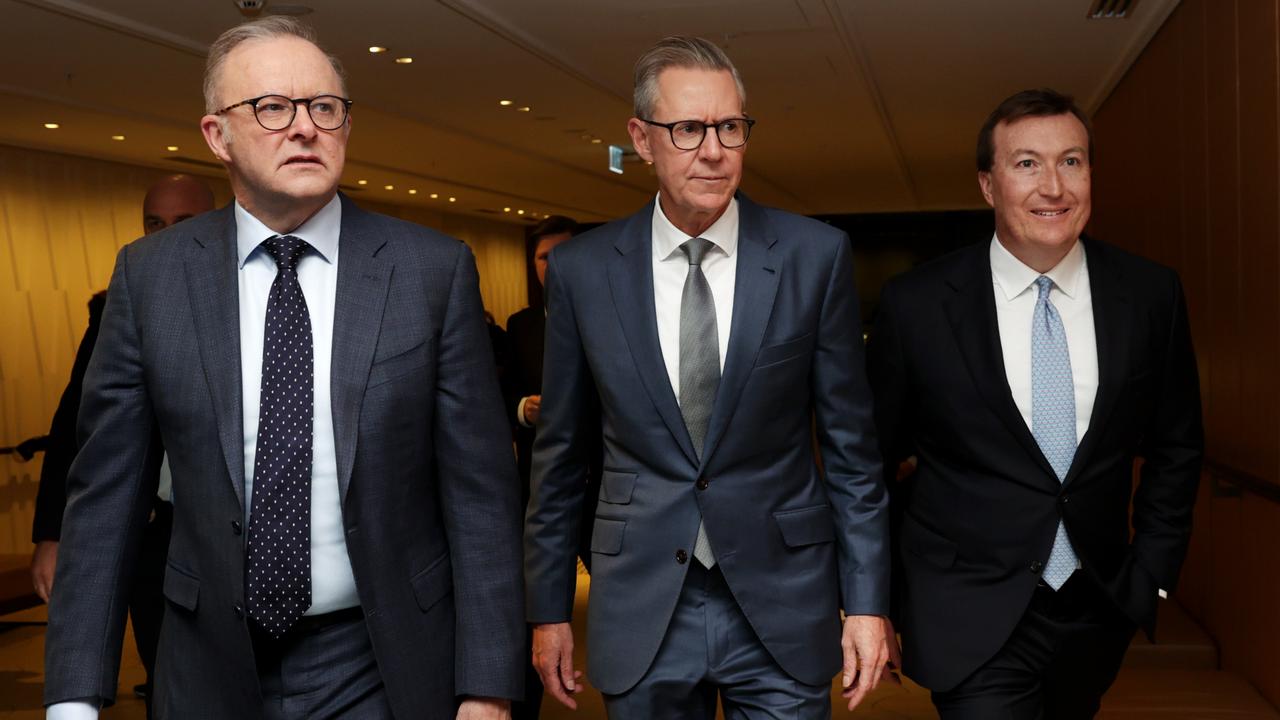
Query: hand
{"x": 43, "y": 562}
{"x": 532, "y": 409}
{"x": 484, "y": 709}
{"x": 553, "y": 659}
{"x": 870, "y": 655}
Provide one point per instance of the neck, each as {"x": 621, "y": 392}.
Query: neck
{"x": 1042, "y": 260}
{"x": 692, "y": 224}
{"x": 284, "y": 216}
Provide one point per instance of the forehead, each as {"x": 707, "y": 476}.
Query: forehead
{"x": 695, "y": 93}
{"x": 1044, "y": 134}
{"x": 546, "y": 242}
{"x": 280, "y": 64}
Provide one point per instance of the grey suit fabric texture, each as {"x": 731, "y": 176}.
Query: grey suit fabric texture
{"x": 795, "y": 358}
{"x": 428, "y": 485}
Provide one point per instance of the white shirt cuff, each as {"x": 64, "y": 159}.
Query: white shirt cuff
{"x": 1163, "y": 595}
{"x": 72, "y": 710}
{"x": 520, "y": 412}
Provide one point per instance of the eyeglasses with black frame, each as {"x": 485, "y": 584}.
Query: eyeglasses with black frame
{"x": 276, "y": 112}
{"x": 690, "y": 134}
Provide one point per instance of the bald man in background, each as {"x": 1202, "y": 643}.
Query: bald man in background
{"x": 169, "y": 201}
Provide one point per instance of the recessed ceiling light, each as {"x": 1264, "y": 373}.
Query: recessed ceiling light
{"x": 504, "y": 103}
{"x": 375, "y": 49}
{"x": 596, "y": 141}
{"x": 412, "y": 191}
{"x": 453, "y": 199}
{"x": 435, "y": 195}
{"x": 51, "y": 126}
{"x": 171, "y": 148}
{"x": 362, "y": 182}
{"x": 404, "y": 60}
{"x": 519, "y": 212}
{"x": 506, "y": 209}
{"x": 388, "y": 187}
{"x": 117, "y": 138}
{"x": 524, "y": 108}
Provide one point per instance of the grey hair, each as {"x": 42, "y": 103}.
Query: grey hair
{"x": 272, "y": 26}
{"x": 678, "y": 51}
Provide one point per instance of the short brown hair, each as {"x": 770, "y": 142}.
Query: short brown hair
{"x": 272, "y": 26}
{"x": 1028, "y": 103}
{"x": 682, "y": 52}
{"x": 553, "y": 225}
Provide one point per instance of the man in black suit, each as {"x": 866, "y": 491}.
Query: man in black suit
{"x": 169, "y": 201}
{"x": 346, "y": 533}
{"x": 1025, "y": 375}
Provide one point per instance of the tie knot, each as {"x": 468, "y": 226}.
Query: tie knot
{"x": 286, "y": 250}
{"x": 1044, "y": 285}
{"x": 695, "y": 249}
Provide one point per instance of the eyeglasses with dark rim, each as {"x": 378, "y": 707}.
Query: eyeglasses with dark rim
{"x": 690, "y": 134}
{"x": 276, "y": 112}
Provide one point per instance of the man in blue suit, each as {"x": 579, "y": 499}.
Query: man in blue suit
{"x": 713, "y": 335}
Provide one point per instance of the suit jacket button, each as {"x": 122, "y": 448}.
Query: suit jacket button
{"x": 236, "y": 527}
{"x": 239, "y": 611}
{"x": 682, "y": 557}
{"x": 702, "y": 484}
{"x": 1036, "y": 567}
{"x": 1064, "y": 499}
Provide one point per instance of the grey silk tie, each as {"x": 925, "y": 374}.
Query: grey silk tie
{"x": 699, "y": 364}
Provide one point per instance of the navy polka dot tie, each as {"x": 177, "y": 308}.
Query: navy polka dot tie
{"x": 279, "y": 554}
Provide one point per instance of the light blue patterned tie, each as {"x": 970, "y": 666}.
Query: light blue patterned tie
{"x": 1053, "y": 414}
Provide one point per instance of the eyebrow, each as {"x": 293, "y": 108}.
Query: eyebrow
{"x": 1027, "y": 151}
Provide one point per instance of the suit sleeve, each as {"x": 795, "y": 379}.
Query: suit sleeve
{"x": 480, "y": 497}
{"x": 110, "y": 489}
{"x": 1172, "y": 449}
{"x": 561, "y": 458}
{"x": 847, "y": 441}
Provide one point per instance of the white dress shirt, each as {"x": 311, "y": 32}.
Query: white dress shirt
{"x": 671, "y": 267}
{"x": 1015, "y": 294}
{"x": 333, "y": 586}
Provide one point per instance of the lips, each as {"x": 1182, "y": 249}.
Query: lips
{"x": 303, "y": 160}
{"x": 1050, "y": 213}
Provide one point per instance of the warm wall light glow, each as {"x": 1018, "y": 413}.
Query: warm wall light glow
{"x": 388, "y": 187}
{"x": 435, "y": 195}
{"x": 51, "y": 126}
{"x": 504, "y": 103}
{"x": 404, "y": 60}
{"x": 375, "y": 49}
{"x": 117, "y": 138}
{"x": 171, "y": 148}
{"x": 412, "y": 191}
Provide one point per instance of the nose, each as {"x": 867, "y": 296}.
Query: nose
{"x": 1050, "y": 182}
{"x": 302, "y": 128}
{"x": 710, "y": 149}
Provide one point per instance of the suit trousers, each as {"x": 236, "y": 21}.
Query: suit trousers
{"x": 710, "y": 649}
{"x": 1062, "y": 656}
{"x": 322, "y": 669}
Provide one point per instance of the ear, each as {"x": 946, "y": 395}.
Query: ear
{"x": 214, "y": 137}
{"x": 984, "y": 182}
{"x": 640, "y": 139}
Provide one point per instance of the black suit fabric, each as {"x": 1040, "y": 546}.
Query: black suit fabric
{"x": 429, "y": 503}
{"x": 977, "y": 519}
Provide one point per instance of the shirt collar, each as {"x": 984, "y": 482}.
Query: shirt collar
{"x": 667, "y": 238}
{"x": 320, "y": 231}
{"x": 1014, "y": 277}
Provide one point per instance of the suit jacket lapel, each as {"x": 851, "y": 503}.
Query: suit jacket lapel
{"x": 631, "y": 282}
{"x": 1113, "y": 326}
{"x": 214, "y": 292}
{"x": 977, "y": 333}
{"x": 363, "y": 280}
{"x": 755, "y": 286}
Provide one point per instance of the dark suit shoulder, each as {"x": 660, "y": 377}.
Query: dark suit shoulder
{"x": 957, "y": 266}
{"x": 524, "y": 318}
{"x": 1129, "y": 267}
{"x": 789, "y": 223}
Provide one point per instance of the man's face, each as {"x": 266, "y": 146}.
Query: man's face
{"x": 695, "y": 185}
{"x": 1039, "y": 185}
{"x": 172, "y": 202}
{"x": 300, "y": 165}
{"x": 542, "y": 250}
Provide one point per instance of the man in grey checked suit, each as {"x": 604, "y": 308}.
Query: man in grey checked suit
{"x": 346, "y": 535}
{"x": 711, "y": 333}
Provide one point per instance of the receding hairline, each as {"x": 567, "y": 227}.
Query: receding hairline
{"x": 266, "y": 29}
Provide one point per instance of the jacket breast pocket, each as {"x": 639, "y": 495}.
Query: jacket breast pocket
{"x": 181, "y": 588}
{"x": 399, "y": 365}
{"x": 806, "y": 526}
{"x": 784, "y": 351}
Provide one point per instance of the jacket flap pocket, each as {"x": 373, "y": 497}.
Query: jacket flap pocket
{"x": 806, "y": 526}
{"x": 785, "y": 350}
{"x": 390, "y": 368}
{"x": 431, "y": 585}
{"x": 927, "y": 544}
{"x": 181, "y": 588}
{"x": 606, "y": 536}
{"x": 617, "y": 487}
